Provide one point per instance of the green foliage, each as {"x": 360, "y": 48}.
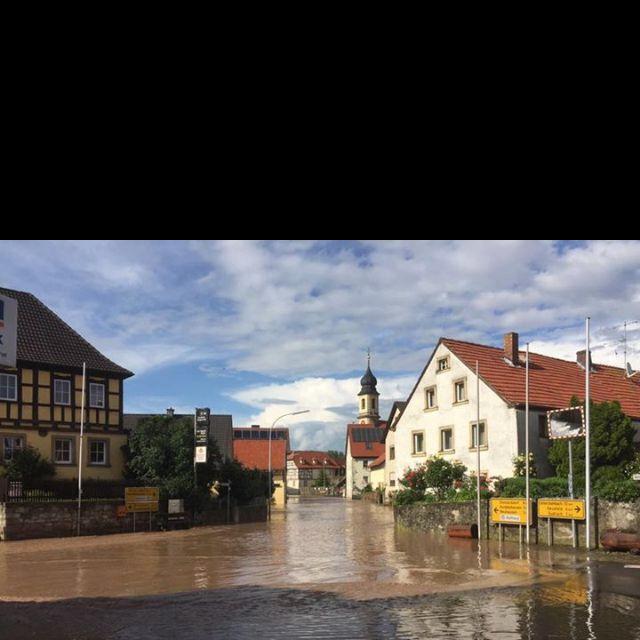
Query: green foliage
{"x": 633, "y": 466}
{"x": 618, "y": 491}
{"x": 546, "y": 488}
{"x": 367, "y": 489}
{"x": 608, "y": 474}
{"x": 612, "y": 435}
{"x": 436, "y": 474}
{"x": 520, "y": 466}
{"x": 27, "y": 465}
{"x": 338, "y": 456}
{"x": 160, "y": 454}
{"x": 406, "y": 496}
{"x": 246, "y": 484}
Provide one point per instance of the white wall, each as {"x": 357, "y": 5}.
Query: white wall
{"x": 389, "y": 464}
{"x": 498, "y": 416}
{"x": 358, "y": 474}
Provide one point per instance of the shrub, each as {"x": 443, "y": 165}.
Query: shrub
{"x": 623, "y": 491}
{"x": 608, "y": 474}
{"x": 633, "y": 466}
{"x": 436, "y": 474}
{"x": 520, "y": 467}
{"x": 547, "y": 488}
{"x": 406, "y": 496}
{"x": 29, "y": 466}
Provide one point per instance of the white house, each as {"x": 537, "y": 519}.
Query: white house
{"x": 440, "y": 416}
{"x": 306, "y": 468}
{"x": 390, "y": 479}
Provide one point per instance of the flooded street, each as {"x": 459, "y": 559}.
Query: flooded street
{"x": 325, "y": 568}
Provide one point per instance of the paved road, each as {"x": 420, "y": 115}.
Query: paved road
{"x": 326, "y": 568}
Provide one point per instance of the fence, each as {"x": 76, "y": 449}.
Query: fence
{"x": 57, "y": 490}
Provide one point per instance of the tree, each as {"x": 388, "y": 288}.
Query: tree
{"x": 160, "y": 453}
{"x": 28, "y": 466}
{"x": 612, "y": 435}
{"x": 338, "y": 456}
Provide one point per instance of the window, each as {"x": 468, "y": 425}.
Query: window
{"x": 474, "y": 434}
{"x": 446, "y": 439}
{"x": 431, "y": 401}
{"x": 63, "y": 451}
{"x": 373, "y": 403}
{"x": 392, "y": 453}
{"x": 460, "y": 391}
{"x": 11, "y": 444}
{"x": 61, "y": 391}
{"x": 443, "y": 363}
{"x": 542, "y": 426}
{"x": 362, "y": 403}
{"x": 392, "y": 479}
{"x": 418, "y": 442}
{"x": 96, "y": 395}
{"x": 8, "y": 387}
{"x": 98, "y": 452}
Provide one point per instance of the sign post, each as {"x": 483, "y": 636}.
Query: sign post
{"x": 8, "y": 331}
{"x": 510, "y": 511}
{"x": 201, "y": 421}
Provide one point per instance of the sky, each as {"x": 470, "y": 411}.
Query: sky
{"x": 258, "y": 329}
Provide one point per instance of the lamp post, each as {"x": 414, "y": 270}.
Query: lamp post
{"x": 284, "y": 415}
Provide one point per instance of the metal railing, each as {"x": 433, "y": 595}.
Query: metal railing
{"x": 61, "y": 490}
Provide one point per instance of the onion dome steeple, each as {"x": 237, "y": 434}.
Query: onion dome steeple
{"x": 368, "y": 396}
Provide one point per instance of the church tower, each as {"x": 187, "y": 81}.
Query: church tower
{"x": 368, "y": 396}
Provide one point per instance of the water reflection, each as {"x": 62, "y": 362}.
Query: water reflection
{"x": 324, "y": 568}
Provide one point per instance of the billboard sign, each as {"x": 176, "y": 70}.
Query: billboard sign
{"x": 566, "y": 423}
{"x": 201, "y": 454}
{"x": 202, "y": 416}
{"x": 138, "y": 499}
{"x": 561, "y": 508}
{"x": 510, "y": 510}
{"x": 8, "y": 331}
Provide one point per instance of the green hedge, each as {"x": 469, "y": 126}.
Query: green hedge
{"x": 618, "y": 491}
{"x": 546, "y": 488}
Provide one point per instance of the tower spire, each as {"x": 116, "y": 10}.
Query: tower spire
{"x": 368, "y": 396}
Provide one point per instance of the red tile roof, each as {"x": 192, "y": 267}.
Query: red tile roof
{"x": 552, "y": 382}
{"x": 378, "y": 462}
{"x": 313, "y": 460}
{"x": 254, "y": 454}
{"x": 370, "y": 449}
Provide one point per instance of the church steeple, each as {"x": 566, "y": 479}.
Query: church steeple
{"x": 368, "y": 396}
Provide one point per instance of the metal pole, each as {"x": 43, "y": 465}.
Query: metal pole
{"x": 478, "y": 449}
{"x": 84, "y": 376}
{"x": 587, "y": 451}
{"x": 526, "y": 439}
{"x": 229, "y": 502}
{"x": 270, "y": 479}
{"x": 573, "y": 522}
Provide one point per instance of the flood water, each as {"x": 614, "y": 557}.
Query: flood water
{"x": 326, "y": 568}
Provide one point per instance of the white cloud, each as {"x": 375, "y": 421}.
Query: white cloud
{"x": 331, "y": 403}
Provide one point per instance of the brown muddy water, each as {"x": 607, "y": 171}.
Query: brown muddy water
{"x": 326, "y": 568}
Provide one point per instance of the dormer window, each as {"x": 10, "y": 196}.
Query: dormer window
{"x": 443, "y": 364}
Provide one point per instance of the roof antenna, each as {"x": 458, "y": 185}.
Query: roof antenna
{"x": 629, "y": 371}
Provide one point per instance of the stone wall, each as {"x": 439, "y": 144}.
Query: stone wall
{"x": 23, "y": 520}
{"x": 26, "y": 520}
{"x": 438, "y": 517}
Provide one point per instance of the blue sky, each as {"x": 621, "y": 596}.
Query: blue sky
{"x": 260, "y": 328}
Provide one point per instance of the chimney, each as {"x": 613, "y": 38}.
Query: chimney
{"x": 581, "y": 358}
{"x": 511, "y": 347}
{"x": 170, "y": 411}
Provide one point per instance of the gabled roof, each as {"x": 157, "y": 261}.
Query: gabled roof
{"x": 398, "y": 407}
{"x": 378, "y": 462}
{"x": 313, "y": 460}
{"x": 552, "y": 382}
{"x": 254, "y": 454}
{"x": 364, "y": 439}
{"x": 44, "y": 338}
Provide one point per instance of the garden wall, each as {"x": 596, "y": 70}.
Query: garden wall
{"x": 438, "y": 517}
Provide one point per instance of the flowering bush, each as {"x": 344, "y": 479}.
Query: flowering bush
{"x": 519, "y": 466}
{"x": 436, "y": 475}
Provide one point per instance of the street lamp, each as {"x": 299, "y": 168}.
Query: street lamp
{"x": 293, "y": 413}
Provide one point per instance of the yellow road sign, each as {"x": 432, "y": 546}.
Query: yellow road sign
{"x": 565, "y": 508}
{"x": 141, "y": 498}
{"x": 509, "y": 510}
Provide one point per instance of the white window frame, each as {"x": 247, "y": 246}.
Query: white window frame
{"x": 414, "y": 450}
{"x": 472, "y": 429}
{"x": 456, "y": 383}
{"x": 104, "y": 444}
{"x": 441, "y": 443}
{"x": 92, "y": 386}
{"x": 427, "y": 391}
{"x": 62, "y": 382}
{"x": 70, "y": 442}
{"x": 12, "y": 446}
{"x": 6, "y": 385}
{"x": 447, "y": 366}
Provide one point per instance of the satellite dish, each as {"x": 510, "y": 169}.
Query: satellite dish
{"x": 630, "y": 371}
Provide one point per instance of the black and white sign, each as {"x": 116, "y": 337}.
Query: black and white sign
{"x": 201, "y": 454}
{"x": 8, "y": 331}
{"x": 202, "y": 416}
